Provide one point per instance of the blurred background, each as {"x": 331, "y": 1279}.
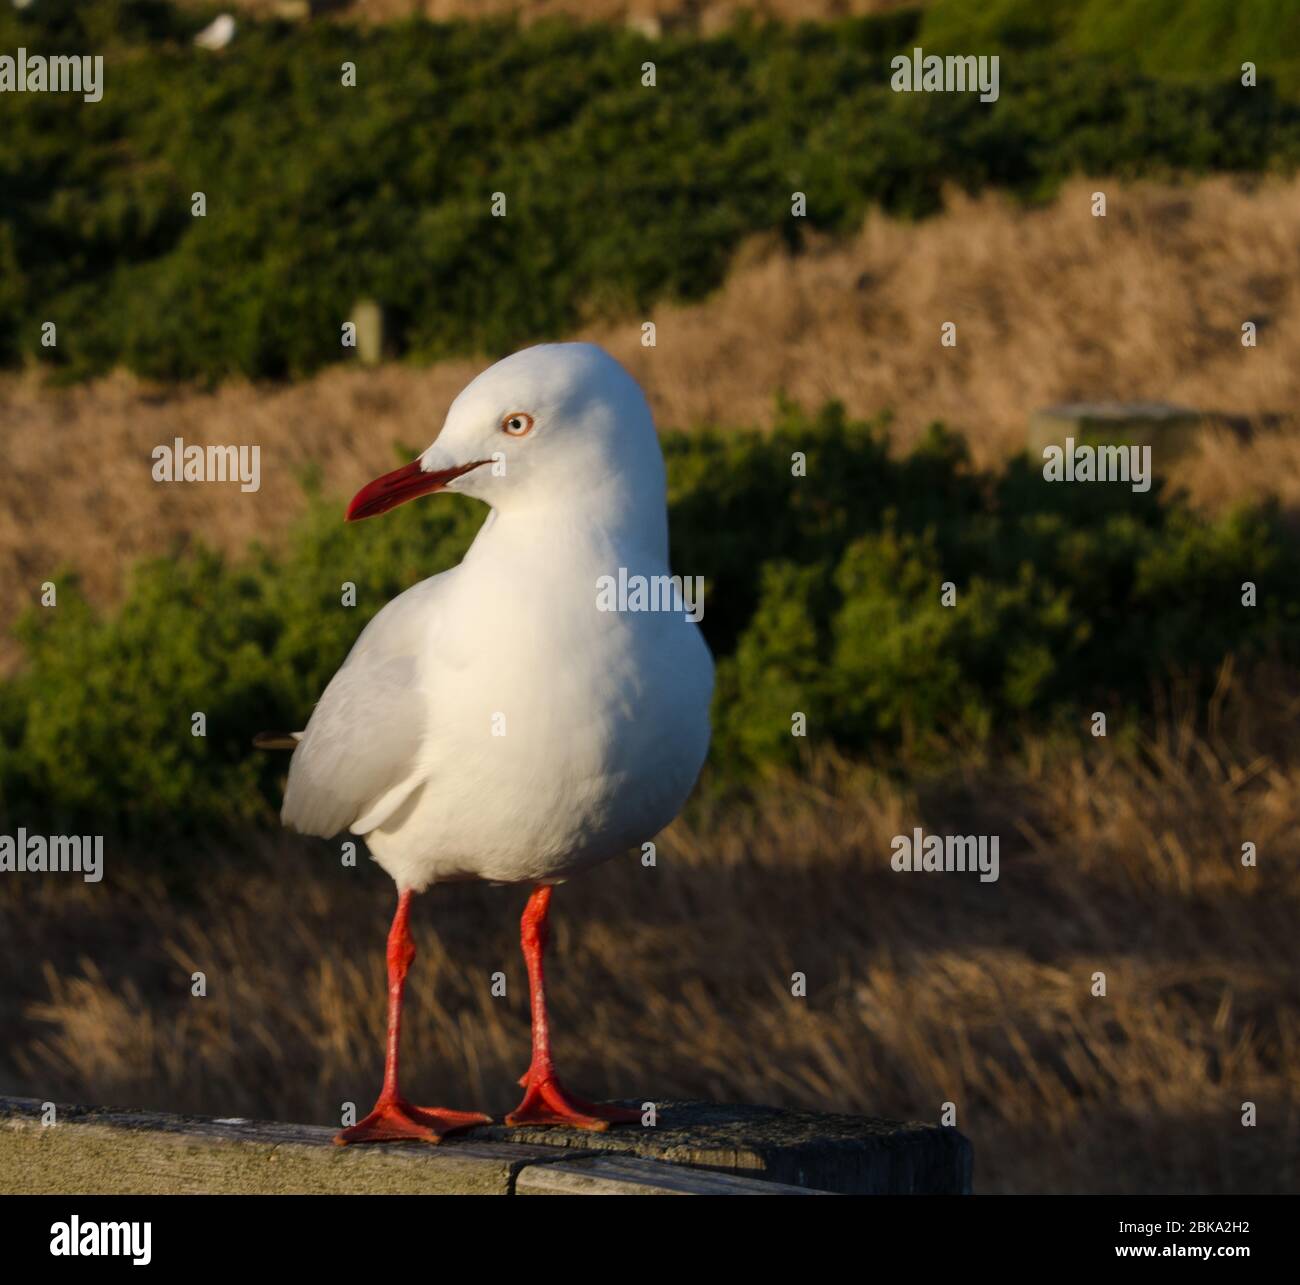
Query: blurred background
{"x": 773, "y": 334}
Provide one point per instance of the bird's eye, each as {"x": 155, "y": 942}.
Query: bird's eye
{"x": 517, "y": 424}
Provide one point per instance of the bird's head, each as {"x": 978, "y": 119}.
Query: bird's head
{"x": 559, "y": 424}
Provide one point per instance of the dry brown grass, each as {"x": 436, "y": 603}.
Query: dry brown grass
{"x": 1051, "y": 304}
{"x": 675, "y": 981}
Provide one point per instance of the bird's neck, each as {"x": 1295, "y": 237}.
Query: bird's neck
{"x": 578, "y": 537}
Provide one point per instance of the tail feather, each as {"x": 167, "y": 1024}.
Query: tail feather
{"x": 277, "y": 740}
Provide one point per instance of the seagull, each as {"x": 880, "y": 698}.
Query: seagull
{"x": 217, "y": 34}
{"x": 499, "y": 721}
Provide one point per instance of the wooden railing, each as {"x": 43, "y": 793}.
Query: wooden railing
{"x": 693, "y": 1148}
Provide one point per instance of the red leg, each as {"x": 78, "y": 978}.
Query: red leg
{"x": 394, "y": 1119}
{"x": 546, "y": 1101}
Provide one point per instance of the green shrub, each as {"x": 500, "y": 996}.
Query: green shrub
{"x": 618, "y": 195}
{"x": 823, "y": 596}
{"x": 1178, "y": 38}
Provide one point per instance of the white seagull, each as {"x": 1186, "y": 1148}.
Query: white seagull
{"x": 494, "y": 722}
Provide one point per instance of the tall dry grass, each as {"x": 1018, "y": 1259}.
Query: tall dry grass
{"x": 673, "y": 981}
{"x": 1050, "y": 304}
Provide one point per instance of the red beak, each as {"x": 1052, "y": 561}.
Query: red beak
{"x": 400, "y": 485}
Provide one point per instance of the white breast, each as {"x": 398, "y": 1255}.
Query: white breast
{"x": 551, "y": 735}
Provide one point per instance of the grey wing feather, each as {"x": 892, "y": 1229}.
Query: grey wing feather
{"x": 358, "y": 758}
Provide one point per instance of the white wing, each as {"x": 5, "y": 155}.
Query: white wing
{"x": 359, "y": 757}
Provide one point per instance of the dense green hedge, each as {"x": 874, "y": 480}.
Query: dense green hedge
{"x": 1182, "y": 39}
{"x": 823, "y": 596}
{"x": 617, "y": 194}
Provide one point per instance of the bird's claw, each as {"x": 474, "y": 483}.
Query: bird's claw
{"x": 546, "y": 1101}
{"x": 396, "y": 1120}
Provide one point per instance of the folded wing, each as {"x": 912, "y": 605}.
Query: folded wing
{"x": 358, "y": 759}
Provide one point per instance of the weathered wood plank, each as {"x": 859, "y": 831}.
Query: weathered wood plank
{"x": 615, "y": 1175}
{"x": 96, "y": 1151}
{"x": 836, "y": 1153}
